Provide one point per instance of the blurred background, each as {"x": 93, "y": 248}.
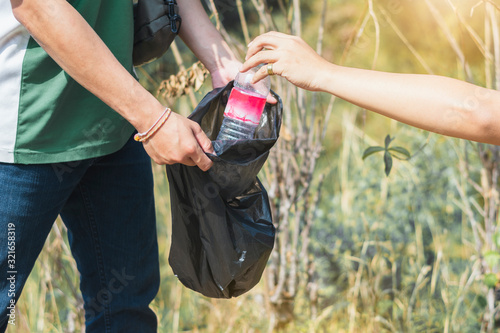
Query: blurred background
{"x": 360, "y": 247}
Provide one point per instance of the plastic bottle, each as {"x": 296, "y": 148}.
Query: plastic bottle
{"x": 244, "y": 107}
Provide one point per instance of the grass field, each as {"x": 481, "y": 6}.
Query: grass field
{"x": 416, "y": 251}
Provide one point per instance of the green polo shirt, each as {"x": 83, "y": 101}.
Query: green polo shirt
{"x": 47, "y": 117}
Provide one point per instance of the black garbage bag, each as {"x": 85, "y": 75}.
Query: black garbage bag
{"x": 222, "y": 230}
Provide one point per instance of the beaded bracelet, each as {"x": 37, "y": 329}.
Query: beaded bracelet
{"x": 141, "y": 137}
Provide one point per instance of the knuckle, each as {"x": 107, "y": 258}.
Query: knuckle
{"x": 196, "y": 128}
{"x": 207, "y": 146}
{"x": 169, "y": 160}
{"x": 296, "y": 40}
{"x": 190, "y": 149}
{"x": 206, "y": 166}
{"x": 158, "y": 161}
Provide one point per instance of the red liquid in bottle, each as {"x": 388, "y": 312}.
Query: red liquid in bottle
{"x": 245, "y": 106}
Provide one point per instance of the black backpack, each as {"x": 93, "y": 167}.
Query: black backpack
{"x": 156, "y": 23}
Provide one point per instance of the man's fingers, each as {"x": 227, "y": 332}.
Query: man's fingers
{"x": 201, "y": 160}
{"x": 203, "y": 140}
{"x": 180, "y": 140}
{"x": 187, "y": 161}
{"x": 204, "y": 146}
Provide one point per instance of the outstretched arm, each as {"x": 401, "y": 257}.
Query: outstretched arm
{"x": 73, "y": 44}
{"x": 434, "y": 103}
{"x": 207, "y": 44}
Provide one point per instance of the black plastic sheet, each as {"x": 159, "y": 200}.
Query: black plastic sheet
{"x": 222, "y": 230}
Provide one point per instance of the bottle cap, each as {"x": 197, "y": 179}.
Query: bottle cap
{"x": 243, "y": 80}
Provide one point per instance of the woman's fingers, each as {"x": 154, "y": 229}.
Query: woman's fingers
{"x": 287, "y": 56}
{"x": 263, "y": 57}
{"x": 270, "y": 40}
{"x": 266, "y": 41}
{"x": 264, "y": 71}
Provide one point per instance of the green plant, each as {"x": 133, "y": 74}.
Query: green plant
{"x": 389, "y": 152}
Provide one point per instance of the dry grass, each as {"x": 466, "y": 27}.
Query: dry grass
{"x": 357, "y": 252}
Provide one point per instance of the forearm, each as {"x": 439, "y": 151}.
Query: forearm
{"x": 74, "y": 45}
{"x": 438, "y": 104}
{"x": 201, "y": 37}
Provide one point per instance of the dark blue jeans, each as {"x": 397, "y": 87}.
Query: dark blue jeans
{"x": 107, "y": 205}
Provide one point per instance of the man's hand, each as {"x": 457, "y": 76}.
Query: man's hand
{"x": 180, "y": 140}
{"x": 74, "y": 45}
{"x": 224, "y": 72}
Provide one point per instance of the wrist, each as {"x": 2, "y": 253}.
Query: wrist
{"x": 326, "y": 78}
{"x": 144, "y": 136}
{"x": 138, "y": 106}
{"x": 220, "y": 58}
{"x": 145, "y": 118}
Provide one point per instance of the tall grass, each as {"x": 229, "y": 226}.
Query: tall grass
{"x": 357, "y": 251}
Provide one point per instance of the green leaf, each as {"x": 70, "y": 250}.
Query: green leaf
{"x": 496, "y": 239}
{"x": 388, "y": 141}
{"x": 481, "y": 300}
{"x": 372, "y": 150}
{"x": 402, "y": 151}
{"x": 388, "y": 163}
{"x": 490, "y": 280}
{"x": 492, "y": 258}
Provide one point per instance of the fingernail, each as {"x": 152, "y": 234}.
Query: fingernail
{"x": 249, "y": 44}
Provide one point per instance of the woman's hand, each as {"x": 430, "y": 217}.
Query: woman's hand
{"x": 226, "y": 72}
{"x": 290, "y": 57}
